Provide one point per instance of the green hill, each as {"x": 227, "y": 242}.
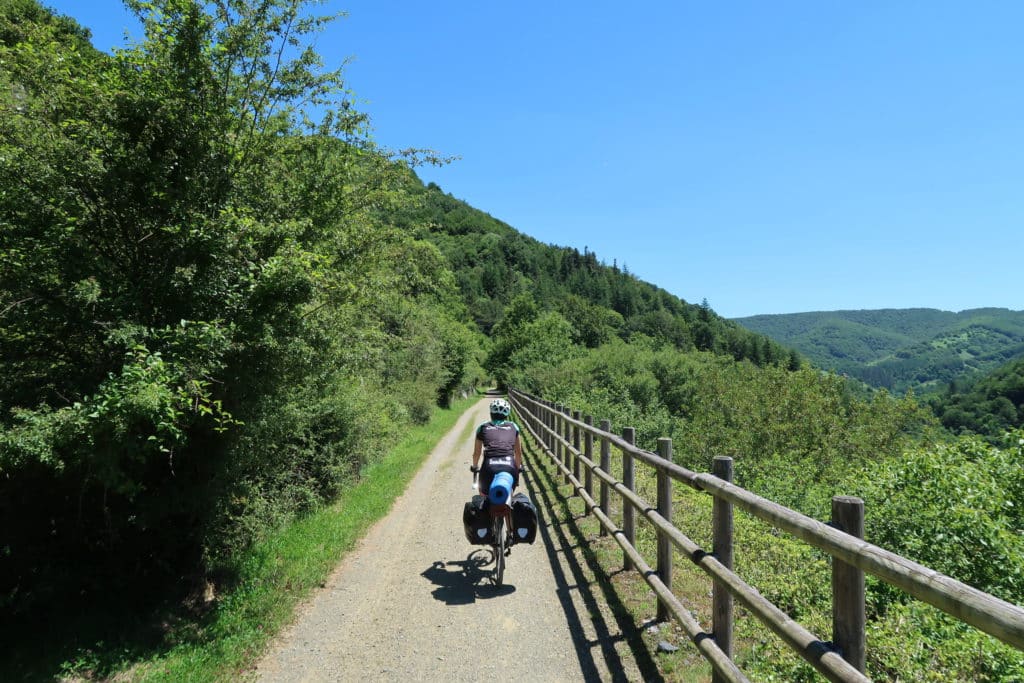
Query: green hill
{"x": 899, "y": 349}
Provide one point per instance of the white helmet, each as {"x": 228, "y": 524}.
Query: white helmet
{"x": 500, "y": 408}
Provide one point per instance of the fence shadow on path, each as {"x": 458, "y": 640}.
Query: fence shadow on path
{"x": 464, "y": 582}
{"x": 562, "y": 537}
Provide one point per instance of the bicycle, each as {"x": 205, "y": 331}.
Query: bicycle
{"x": 501, "y": 531}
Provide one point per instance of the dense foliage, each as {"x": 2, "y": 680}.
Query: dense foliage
{"x": 899, "y": 349}
{"x": 202, "y": 331}
{"x": 954, "y": 507}
{"x": 990, "y": 406}
{"x": 792, "y": 434}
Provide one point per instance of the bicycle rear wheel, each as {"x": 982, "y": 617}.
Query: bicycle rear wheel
{"x": 499, "y": 550}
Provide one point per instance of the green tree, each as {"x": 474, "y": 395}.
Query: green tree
{"x": 593, "y": 324}
{"x": 511, "y": 334}
{"x": 546, "y": 342}
{"x": 194, "y": 277}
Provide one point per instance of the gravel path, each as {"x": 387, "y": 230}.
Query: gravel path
{"x": 414, "y": 600}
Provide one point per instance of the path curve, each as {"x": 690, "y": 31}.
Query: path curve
{"x": 413, "y": 600}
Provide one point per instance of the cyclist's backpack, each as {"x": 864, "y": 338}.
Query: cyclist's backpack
{"x": 524, "y": 519}
{"x": 476, "y": 521}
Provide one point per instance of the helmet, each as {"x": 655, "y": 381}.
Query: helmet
{"x": 500, "y": 408}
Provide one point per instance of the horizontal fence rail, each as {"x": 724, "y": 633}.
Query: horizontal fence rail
{"x": 560, "y": 432}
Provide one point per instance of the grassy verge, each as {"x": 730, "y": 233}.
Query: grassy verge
{"x": 272, "y": 578}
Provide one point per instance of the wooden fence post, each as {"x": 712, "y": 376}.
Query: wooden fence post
{"x": 558, "y": 431}
{"x": 543, "y": 408}
{"x": 576, "y": 445}
{"x": 665, "y": 510}
{"x": 848, "y": 613}
{"x": 606, "y": 465}
{"x": 722, "y": 522}
{"x": 606, "y": 456}
{"x": 588, "y": 451}
{"x": 567, "y": 435}
{"x": 629, "y": 481}
{"x": 535, "y": 416}
{"x": 549, "y": 422}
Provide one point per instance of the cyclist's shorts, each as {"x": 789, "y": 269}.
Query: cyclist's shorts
{"x": 492, "y": 466}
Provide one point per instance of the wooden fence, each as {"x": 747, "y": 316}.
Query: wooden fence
{"x": 569, "y": 439}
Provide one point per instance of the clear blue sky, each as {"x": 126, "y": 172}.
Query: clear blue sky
{"x": 772, "y": 157}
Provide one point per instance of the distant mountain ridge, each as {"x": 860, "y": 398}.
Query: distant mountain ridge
{"x": 923, "y": 349}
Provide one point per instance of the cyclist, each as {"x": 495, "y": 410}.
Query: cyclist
{"x": 498, "y": 442}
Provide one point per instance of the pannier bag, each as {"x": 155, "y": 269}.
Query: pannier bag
{"x": 524, "y": 519}
{"x": 476, "y": 521}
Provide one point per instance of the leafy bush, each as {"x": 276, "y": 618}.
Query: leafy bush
{"x": 953, "y": 507}
{"x": 915, "y": 642}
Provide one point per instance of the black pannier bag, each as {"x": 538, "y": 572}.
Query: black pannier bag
{"x": 524, "y": 519}
{"x": 476, "y": 521}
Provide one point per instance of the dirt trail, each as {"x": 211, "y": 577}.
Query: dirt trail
{"x": 414, "y": 600}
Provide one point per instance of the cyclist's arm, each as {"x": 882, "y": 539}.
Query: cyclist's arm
{"x": 477, "y": 449}
{"x": 517, "y": 448}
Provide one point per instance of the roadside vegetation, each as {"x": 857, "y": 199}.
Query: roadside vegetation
{"x": 219, "y": 634}
{"x": 204, "y": 336}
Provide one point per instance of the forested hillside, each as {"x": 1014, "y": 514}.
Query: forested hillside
{"x": 991, "y": 405}
{"x": 593, "y": 302}
{"x": 899, "y": 349}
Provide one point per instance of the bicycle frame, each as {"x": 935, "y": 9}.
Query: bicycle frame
{"x": 501, "y": 530}
{"x": 501, "y": 527}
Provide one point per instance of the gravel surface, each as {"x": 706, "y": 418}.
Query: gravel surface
{"x": 414, "y": 601}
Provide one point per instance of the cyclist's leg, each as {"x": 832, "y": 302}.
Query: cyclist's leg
{"x": 490, "y": 468}
{"x": 486, "y": 477}
{"x": 515, "y": 475}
